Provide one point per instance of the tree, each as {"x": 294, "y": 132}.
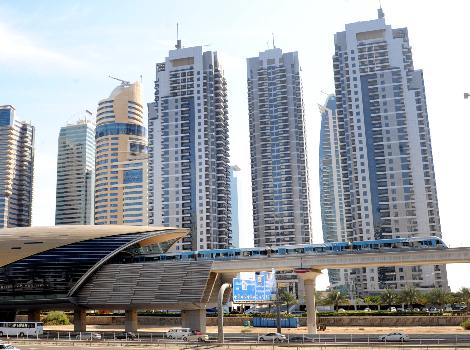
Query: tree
{"x": 438, "y": 297}
{"x": 56, "y": 318}
{"x": 389, "y": 297}
{"x": 464, "y": 296}
{"x": 335, "y": 298}
{"x": 409, "y": 296}
{"x": 287, "y": 298}
{"x": 372, "y": 300}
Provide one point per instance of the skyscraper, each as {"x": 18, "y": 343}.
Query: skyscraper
{"x": 16, "y": 169}
{"x": 331, "y": 189}
{"x": 279, "y": 175}
{"x": 389, "y": 187}
{"x": 76, "y": 174}
{"x": 121, "y": 158}
{"x": 234, "y": 205}
{"x": 189, "y": 171}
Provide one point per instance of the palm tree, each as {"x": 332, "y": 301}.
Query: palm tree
{"x": 389, "y": 297}
{"x": 287, "y": 298}
{"x": 335, "y": 298}
{"x": 409, "y": 296}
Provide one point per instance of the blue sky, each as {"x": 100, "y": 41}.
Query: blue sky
{"x": 55, "y": 57}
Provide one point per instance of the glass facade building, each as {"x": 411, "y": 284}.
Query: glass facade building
{"x": 121, "y": 158}
{"x": 16, "y": 169}
{"x": 75, "y": 174}
{"x": 331, "y": 190}
{"x": 388, "y": 180}
{"x": 189, "y": 173}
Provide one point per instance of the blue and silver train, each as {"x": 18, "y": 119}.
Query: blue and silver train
{"x": 324, "y": 248}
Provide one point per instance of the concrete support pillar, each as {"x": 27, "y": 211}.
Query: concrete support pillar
{"x": 194, "y": 319}
{"x": 131, "y": 322}
{"x": 34, "y": 316}
{"x": 308, "y": 278}
{"x": 220, "y": 311}
{"x": 79, "y": 320}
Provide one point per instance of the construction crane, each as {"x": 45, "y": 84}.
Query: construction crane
{"x": 123, "y": 82}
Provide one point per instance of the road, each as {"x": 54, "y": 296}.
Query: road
{"x": 251, "y": 339}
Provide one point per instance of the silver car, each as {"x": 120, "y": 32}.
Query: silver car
{"x": 88, "y": 336}
{"x": 273, "y": 337}
{"x": 397, "y": 336}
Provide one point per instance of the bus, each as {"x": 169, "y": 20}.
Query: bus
{"x": 21, "y": 329}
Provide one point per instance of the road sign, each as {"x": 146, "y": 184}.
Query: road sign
{"x": 257, "y": 288}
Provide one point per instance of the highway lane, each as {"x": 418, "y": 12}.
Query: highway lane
{"x": 325, "y": 338}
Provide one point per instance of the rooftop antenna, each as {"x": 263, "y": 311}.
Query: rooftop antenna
{"x": 123, "y": 82}
{"x": 380, "y": 12}
{"x": 274, "y": 46}
{"x": 89, "y": 113}
{"x": 178, "y": 40}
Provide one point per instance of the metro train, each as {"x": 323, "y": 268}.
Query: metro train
{"x": 324, "y": 248}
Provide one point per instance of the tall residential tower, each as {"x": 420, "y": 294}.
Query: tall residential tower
{"x": 16, "y": 169}
{"x": 279, "y": 175}
{"x": 331, "y": 189}
{"x": 76, "y": 174}
{"x": 234, "y": 169}
{"x": 189, "y": 169}
{"x": 121, "y": 158}
{"x": 389, "y": 187}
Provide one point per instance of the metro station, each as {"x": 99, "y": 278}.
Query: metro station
{"x": 114, "y": 267}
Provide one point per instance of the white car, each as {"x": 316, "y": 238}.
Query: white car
{"x": 397, "y": 336}
{"x": 178, "y": 333}
{"x": 196, "y": 336}
{"x": 88, "y": 336}
{"x": 7, "y": 346}
{"x": 273, "y": 337}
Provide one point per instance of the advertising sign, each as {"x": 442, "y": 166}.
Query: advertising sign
{"x": 256, "y": 288}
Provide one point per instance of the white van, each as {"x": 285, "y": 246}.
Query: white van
{"x": 178, "y": 333}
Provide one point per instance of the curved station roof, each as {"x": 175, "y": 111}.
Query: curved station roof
{"x": 48, "y": 264}
{"x": 21, "y": 242}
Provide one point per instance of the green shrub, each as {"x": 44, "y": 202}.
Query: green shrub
{"x": 465, "y": 324}
{"x": 55, "y": 318}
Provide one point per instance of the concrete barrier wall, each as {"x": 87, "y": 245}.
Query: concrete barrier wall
{"x": 390, "y": 321}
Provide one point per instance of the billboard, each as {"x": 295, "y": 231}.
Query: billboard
{"x": 255, "y": 288}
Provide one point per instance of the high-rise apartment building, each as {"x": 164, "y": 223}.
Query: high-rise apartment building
{"x": 279, "y": 175}
{"x": 75, "y": 188}
{"x": 121, "y": 158}
{"x": 389, "y": 187}
{"x": 189, "y": 170}
{"x": 234, "y": 169}
{"x": 16, "y": 169}
{"x": 331, "y": 189}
